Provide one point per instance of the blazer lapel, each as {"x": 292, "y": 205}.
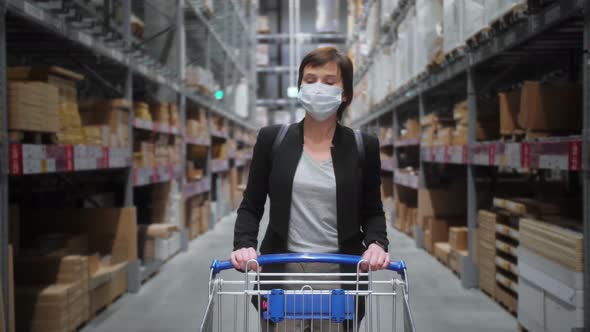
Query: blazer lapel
{"x": 283, "y": 172}
{"x": 344, "y": 157}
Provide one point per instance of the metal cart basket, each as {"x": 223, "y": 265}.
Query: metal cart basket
{"x": 292, "y": 301}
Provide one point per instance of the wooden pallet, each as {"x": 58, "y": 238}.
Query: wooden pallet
{"x": 479, "y": 37}
{"x": 31, "y": 137}
{"x": 517, "y": 13}
{"x": 507, "y": 300}
{"x": 454, "y": 54}
{"x": 104, "y": 308}
{"x": 485, "y": 292}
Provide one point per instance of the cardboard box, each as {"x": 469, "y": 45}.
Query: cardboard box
{"x": 448, "y": 202}
{"x": 438, "y": 231}
{"x": 458, "y": 237}
{"x": 204, "y": 220}
{"x": 107, "y": 292}
{"x": 442, "y": 251}
{"x": 444, "y": 136}
{"x": 43, "y": 270}
{"x": 59, "y": 308}
{"x": 455, "y": 259}
{"x": 109, "y": 229}
{"x": 509, "y": 111}
{"x": 160, "y": 112}
{"x": 460, "y": 113}
{"x": 412, "y": 128}
{"x": 33, "y": 106}
{"x": 428, "y": 241}
{"x": 550, "y": 107}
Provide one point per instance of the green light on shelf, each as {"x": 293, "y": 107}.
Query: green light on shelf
{"x": 219, "y": 94}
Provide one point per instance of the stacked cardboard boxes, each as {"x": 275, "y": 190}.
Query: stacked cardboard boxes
{"x": 486, "y": 125}
{"x": 70, "y": 124}
{"x": 458, "y": 244}
{"x": 438, "y": 209}
{"x": 487, "y": 252}
{"x": 106, "y": 122}
{"x": 196, "y": 124}
{"x": 411, "y": 129}
{"x": 219, "y": 124}
{"x": 160, "y": 113}
{"x": 61, "y": 285}
{"x": 442, "y": 251}
{"x": 161, "y": 150}
{"x": 33, "y": 106}
{"x": 436, "y": 130}
{"x": 142, "y": 111}
{"x": 197, "y": 215}
{"x": 143, "y": 154}
{"x": 174, "y": 116}
{"x": 541, "y": 109}
{"x": 406, "y": 213}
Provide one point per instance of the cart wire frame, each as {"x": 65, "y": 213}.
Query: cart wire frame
{"x": 291, "y": 305}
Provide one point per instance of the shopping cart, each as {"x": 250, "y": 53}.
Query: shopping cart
{"x": 304, "y": 304}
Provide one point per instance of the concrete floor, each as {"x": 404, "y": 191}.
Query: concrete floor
{"x": 175, "y": 299}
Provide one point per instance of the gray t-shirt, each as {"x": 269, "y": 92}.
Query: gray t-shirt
{"x": 313, "y": 226}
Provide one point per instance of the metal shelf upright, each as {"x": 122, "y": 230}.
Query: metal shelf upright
{"x": 586, "y": 161}
{"x": 4, "y": 222}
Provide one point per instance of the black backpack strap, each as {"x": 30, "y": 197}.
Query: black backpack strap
{"x": 279, "y": 138}
{"x": 360, "y": 146}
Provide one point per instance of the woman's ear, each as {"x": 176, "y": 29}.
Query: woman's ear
{"x": 344, "y": 98}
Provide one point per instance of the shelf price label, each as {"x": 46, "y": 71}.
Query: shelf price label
{"x": 575, "y": 155}
{"x": 16, "y": 159}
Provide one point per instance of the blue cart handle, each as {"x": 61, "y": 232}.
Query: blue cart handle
{"x": 218, "y": 266}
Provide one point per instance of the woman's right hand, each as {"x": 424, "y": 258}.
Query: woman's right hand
{"x": 240, "y": 257}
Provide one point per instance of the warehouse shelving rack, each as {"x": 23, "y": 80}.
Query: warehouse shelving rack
{"x": 561, "y": 25}
{"x": 74, "y": 33}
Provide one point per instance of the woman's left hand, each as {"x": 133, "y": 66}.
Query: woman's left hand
{"x": 377, "y": 258}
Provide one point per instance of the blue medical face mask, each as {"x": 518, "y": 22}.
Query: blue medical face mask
{"x": 320, "y": 100}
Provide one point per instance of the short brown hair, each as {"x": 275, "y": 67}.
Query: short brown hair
{"x": 324, "y": 55}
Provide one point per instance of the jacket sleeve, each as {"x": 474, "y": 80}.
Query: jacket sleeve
{"x": 373, "y": 218}
{"x": 251, "y": 209}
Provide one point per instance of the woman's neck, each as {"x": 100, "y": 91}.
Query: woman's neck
{"x": 316, "y": 131}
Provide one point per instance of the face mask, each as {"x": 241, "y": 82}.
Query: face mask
{"x": 320, "y": 100}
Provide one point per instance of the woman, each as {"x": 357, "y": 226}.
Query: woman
{"x": 323, "y": 197}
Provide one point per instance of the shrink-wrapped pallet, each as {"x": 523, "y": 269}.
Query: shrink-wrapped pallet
{"x": 473, "y": 12}
{"x": 429, "y": 38}
{"x": 495, "y": 9}
{"x": 452, "y": 23}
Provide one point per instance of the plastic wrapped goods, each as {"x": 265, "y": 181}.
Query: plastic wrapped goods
{"x": 473, "y": 17}
{"x": 452, "y": 25}
{"x": 429, "y": 38}
{"x": 387, "y": 8}
{"x": 328, "y": 13}
{"x": 494, "y": 9}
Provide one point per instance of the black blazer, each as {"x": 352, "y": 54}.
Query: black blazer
{"x": 359, "y": 208}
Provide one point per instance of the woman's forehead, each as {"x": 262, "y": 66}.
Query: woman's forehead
{"x": 330, "y": 68}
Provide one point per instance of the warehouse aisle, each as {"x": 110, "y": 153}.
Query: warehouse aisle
{"x": 175, "y": 299}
